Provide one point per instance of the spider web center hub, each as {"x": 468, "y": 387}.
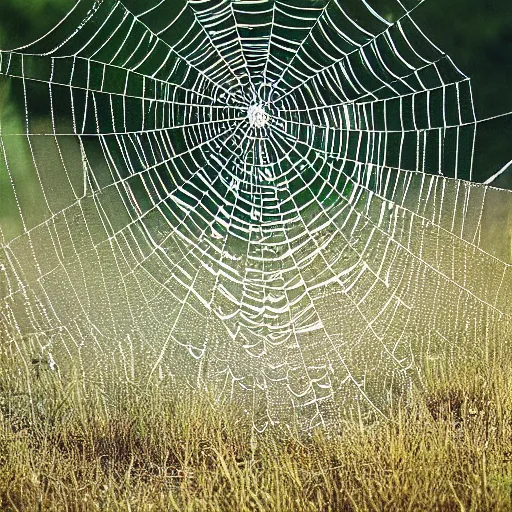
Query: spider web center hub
{"x": 258, "y": 117}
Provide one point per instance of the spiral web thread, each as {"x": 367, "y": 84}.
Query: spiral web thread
{"x": 271, "y": 199}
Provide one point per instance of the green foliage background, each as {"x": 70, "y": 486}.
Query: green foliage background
{"x": 476, "y": 34}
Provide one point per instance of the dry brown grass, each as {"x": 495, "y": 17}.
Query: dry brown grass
{"x": 449, "y": 447}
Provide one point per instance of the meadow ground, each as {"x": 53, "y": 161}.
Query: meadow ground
{"x": 447, "y": 447}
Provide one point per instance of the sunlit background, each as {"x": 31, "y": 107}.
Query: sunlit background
{"x": 479, "y": 41}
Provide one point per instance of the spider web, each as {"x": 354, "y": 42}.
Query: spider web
{"x": 269, "y": 199}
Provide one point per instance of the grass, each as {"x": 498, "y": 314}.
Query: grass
{"x": 447, "y": 447}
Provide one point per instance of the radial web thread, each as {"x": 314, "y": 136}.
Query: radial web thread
{"x": 272, "y": 199}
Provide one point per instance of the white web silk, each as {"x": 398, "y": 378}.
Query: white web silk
{"x": 258, "y": 118}
{"x": 268, "y": 198}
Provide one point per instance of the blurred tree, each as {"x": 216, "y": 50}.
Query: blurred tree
{"x": 23, "y": 22}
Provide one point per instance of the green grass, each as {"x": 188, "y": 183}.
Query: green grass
{"x": 447, "y": 447}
